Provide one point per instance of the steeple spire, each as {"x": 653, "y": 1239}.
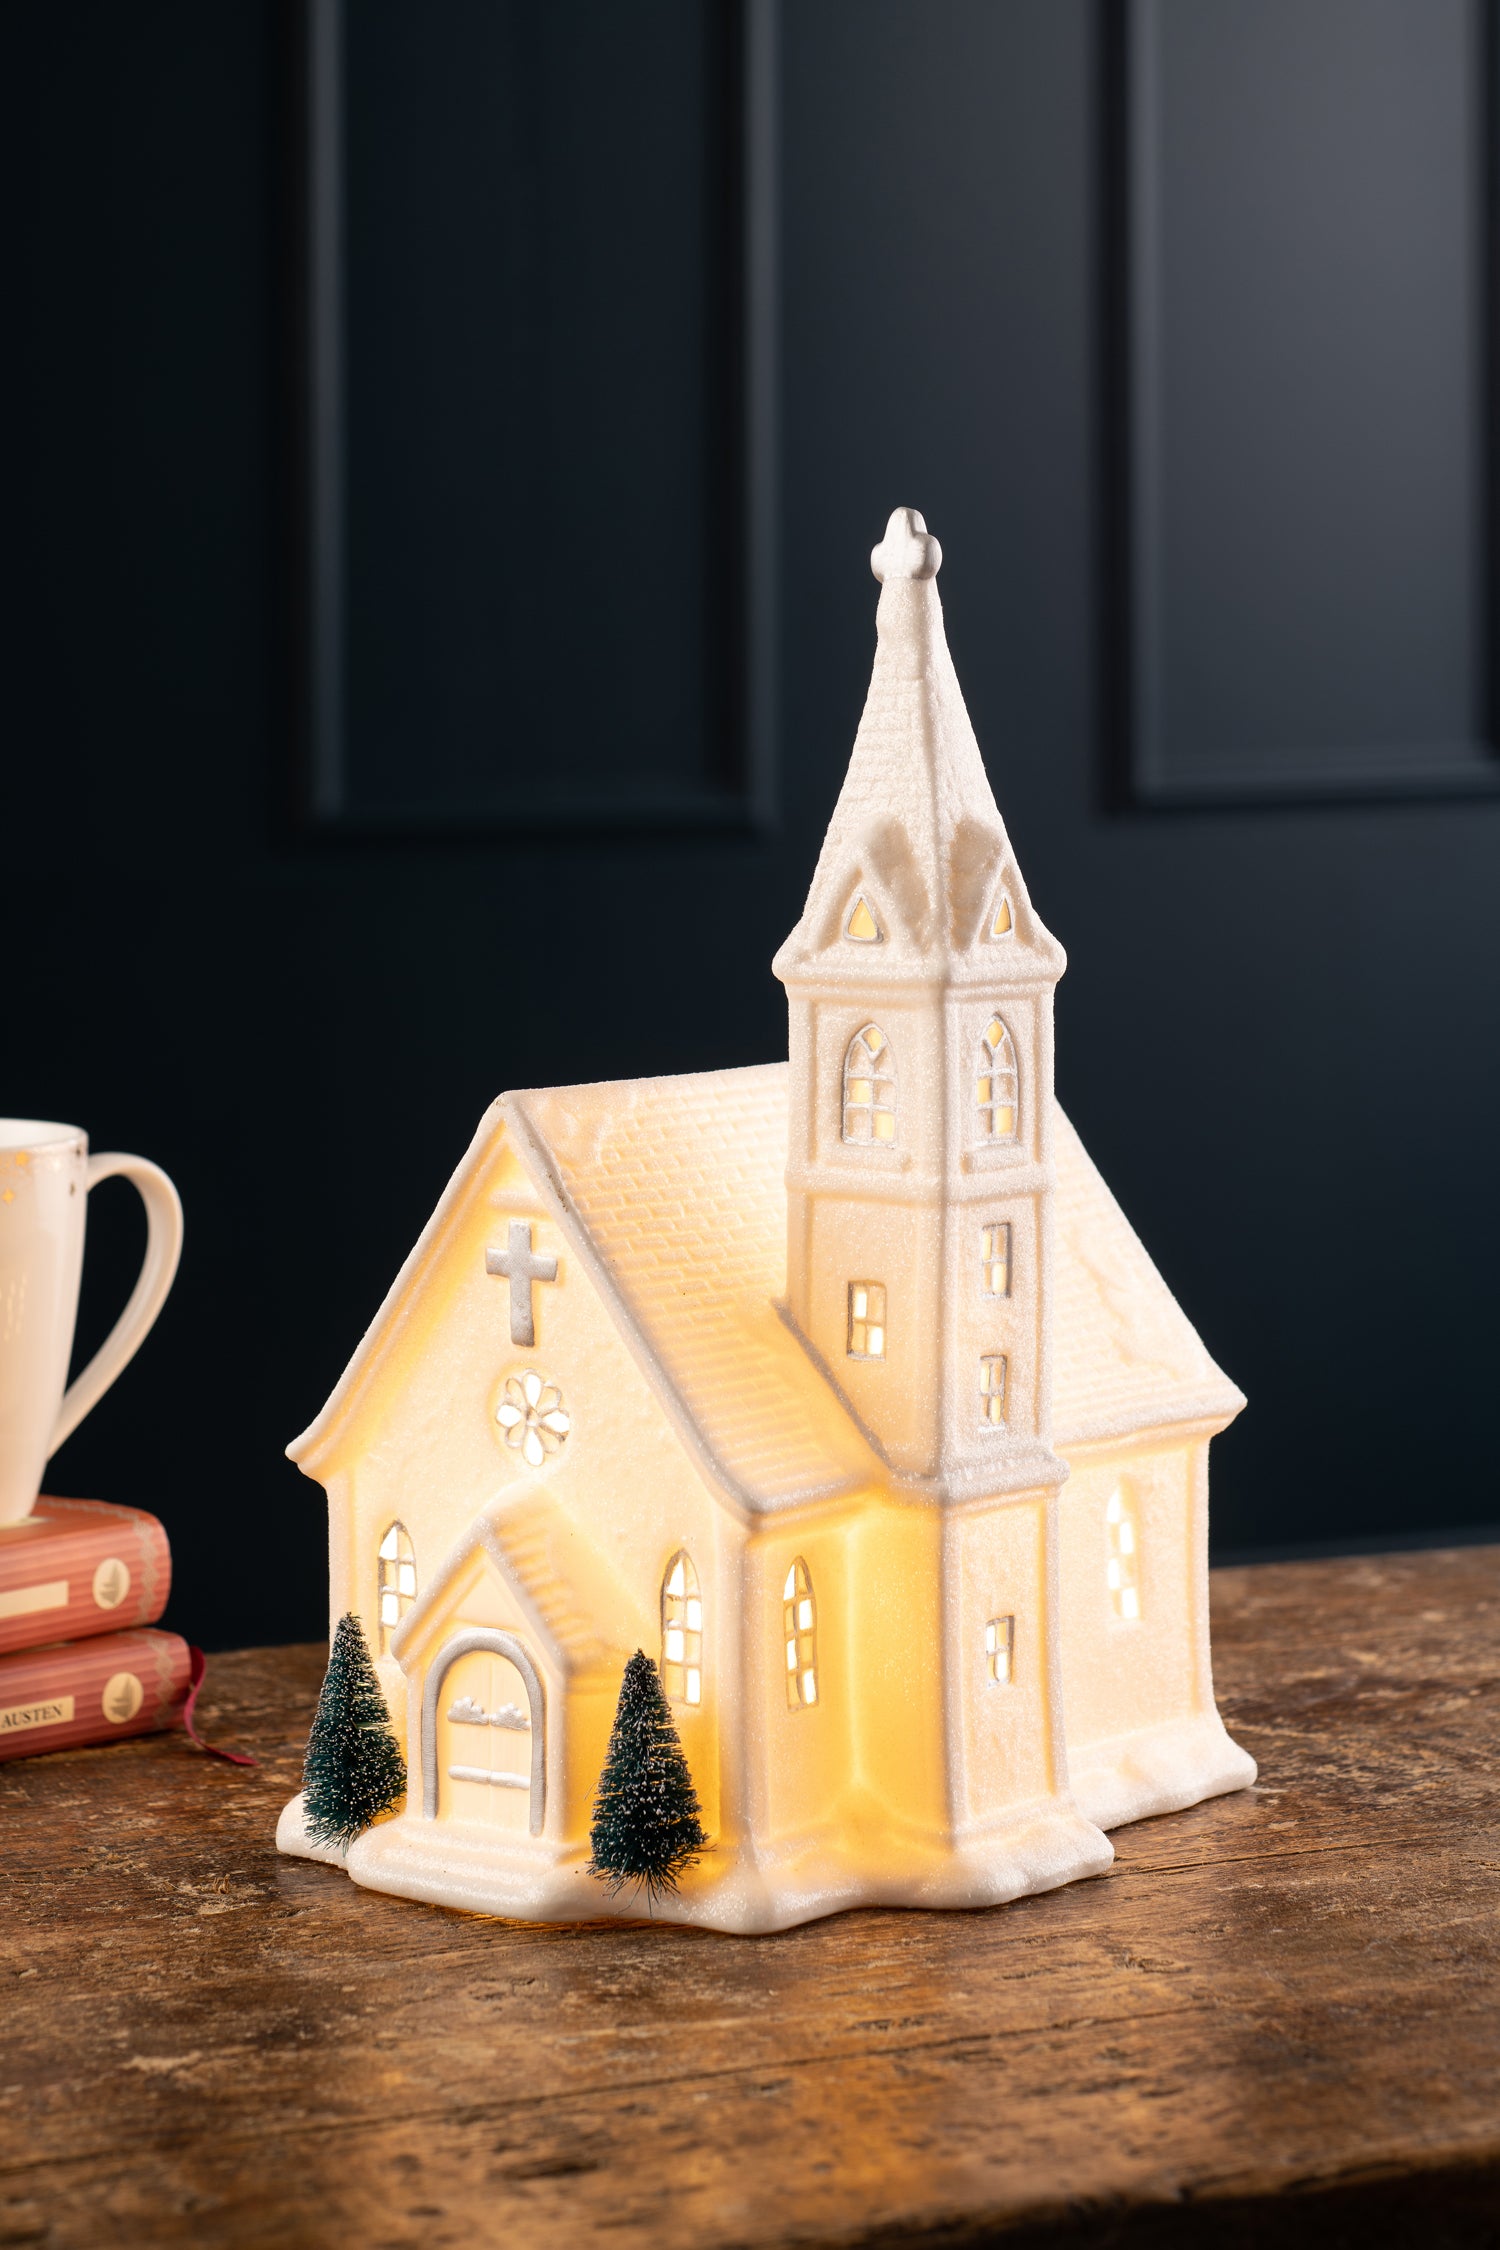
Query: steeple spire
{"x": 916, "y": 843}
{"x": 919, "y": 1172}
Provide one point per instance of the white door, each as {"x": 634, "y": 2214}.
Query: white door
{"x": 484, "y": 1743}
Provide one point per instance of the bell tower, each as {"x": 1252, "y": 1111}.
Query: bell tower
{"x": 919, "y": 1167}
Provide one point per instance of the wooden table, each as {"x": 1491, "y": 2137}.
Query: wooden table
{"x": 1277, "y": 2020}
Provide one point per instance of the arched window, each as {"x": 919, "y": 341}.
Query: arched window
{"x": 997, "y": 1089}
{"x": 682, "y": 1630}
{"x": 396, "y": 1579}
{"x": 799, "y": 1620}
{"x": 869, "y": 1087}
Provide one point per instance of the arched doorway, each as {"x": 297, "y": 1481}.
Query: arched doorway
{"x": 483, "y": 1735}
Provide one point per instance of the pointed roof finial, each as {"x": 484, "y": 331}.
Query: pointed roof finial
{"x": 916, "y": 848}
{"x": 908, "y": 549}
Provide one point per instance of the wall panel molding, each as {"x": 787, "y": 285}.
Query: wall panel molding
{"x": 369, "y": 763}
{"x": 1300, "y": 399}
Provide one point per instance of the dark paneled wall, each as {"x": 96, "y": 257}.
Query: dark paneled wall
{"x": 1277, "y": 1030}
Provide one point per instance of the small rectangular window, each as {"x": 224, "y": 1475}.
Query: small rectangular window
{"x": 992, "y": 1371}
{"x": 867, "y": 1320}
{"x": 995, "y": 1259}
{"x": 1000, "y": 1650}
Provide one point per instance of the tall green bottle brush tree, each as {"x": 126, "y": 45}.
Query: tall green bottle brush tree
{"x": 354, "y": 1770}
{"x": 647, "y": 1827}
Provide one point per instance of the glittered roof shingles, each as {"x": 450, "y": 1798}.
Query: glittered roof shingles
{"x": 677, "y": 1186}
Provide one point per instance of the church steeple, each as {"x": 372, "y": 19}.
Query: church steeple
{"x": 919, "y": 983}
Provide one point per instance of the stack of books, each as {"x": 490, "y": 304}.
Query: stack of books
{"x": 82, "y": 1583}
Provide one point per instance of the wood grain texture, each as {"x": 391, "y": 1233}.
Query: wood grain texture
{"x": 1276, "y": 2020}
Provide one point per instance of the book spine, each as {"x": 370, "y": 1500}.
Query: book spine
{"x": 79, "y": 1568}
{"x": 99, "y": 1690}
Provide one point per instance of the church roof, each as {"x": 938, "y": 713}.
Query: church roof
{"x": 674, "y": 1186}
{"x": 672, "y": 1193}
{"x": 916, "y": 832}
{"x": 575, "y": 1601}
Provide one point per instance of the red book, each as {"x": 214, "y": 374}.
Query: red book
{"x": 78, "y": 1567}
{"x": 92, "y": 1691}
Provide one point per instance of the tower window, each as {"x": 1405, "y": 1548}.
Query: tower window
{"x": 862, "y": 925}
{"x": 1000, "y": 1650}
{"x": 799, "y": 1625}
{"x": 869, "y": 1087}
{"x": 396, "y": 1580}
{"x": 1002, "y": 925}
{"x": 1120, "y": 1569}
{"x": 996, "y": 1087}
{"x": 994, "y": 1255}
{"x": 867, "y": 1320}
{"x": 682, "y": 1630}
{"x": 992, "y": 1372}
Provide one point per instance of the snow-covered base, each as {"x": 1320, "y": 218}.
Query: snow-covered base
{"x": 1160, "y": 1770}
{"x": 293, "y": 1839}
{"x": 450, "y": 1865}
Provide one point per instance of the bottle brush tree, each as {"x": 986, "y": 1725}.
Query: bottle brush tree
{"x": 354, "y": 1770}
{"x": 647, "y": 1828}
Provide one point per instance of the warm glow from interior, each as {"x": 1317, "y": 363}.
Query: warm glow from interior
{"x": 997, "y": 1084}
{"x": 869, "y": 1087}
{"x": 1121, "y": 1558}
{"x": 799, "y": 1624}
{"x": 682, "y": 1631}
{"x": 866, "y": 1320}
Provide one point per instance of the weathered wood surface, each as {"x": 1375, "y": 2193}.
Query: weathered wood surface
{"x": 1277, "y": 2020}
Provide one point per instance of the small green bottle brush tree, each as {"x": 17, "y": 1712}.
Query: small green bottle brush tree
{"x": 647, "y": 1828}
{"x": 354, "y": 1770}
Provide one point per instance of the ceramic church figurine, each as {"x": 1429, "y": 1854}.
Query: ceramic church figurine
{"x": 842, "y": 1387}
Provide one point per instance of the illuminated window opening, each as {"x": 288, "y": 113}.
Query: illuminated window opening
{"x": 994, "y": 1256}
{"x": 682, "y": 1630}
{"x": 869, "y": 1087}
{"x": 992, "y": 1374}
{"x": 1121, "y": 1568}
{"x": 532, "y": 1417}
{"x": 1000, "y": 1650}
{"x": 862, "y": 925}
{"x": 996, "y": 1088}
{"x": 799, "y": 1626}
{"x": 867, "y": 1320}
{"x": 1002, "y": 925}
{"x": 396, "y": 1581}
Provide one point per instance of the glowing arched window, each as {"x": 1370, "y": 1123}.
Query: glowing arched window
{"x": 869, "y": 1087}
{"x": 682, "y": 1630}
{"x": 799, "y": 1621}
{"x": 997, "y": 1087}
{"x": 396, "y": 1580}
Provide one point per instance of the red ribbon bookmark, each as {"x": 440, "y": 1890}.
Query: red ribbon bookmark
{"x": 197, "y": 1666}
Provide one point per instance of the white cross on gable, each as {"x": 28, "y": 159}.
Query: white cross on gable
{"x": 908, "y": 549}
{"x": 520, "y": 1266}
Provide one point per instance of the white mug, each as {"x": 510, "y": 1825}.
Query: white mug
{"x": 45, "y": 1176}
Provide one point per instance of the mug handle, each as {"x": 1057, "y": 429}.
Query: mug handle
{"x": 158, "y": 1268}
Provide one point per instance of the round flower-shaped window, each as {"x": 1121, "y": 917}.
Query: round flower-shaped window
{"x": 532, "y": 1417}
